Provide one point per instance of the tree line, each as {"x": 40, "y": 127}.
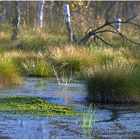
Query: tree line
{"x": 39, "y": 13}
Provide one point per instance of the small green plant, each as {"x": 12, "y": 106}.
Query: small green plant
{"x": 88, "y": 121}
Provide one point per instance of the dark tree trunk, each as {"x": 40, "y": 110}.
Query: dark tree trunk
{"x": 16, "y": 20}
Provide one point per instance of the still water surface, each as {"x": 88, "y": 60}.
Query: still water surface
{"x": 111, "y": 121}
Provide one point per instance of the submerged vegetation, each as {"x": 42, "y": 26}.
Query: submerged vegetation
{"x": 34, "y": 106}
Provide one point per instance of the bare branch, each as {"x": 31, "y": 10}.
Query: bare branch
{"x": 104, "y": 41}
{"x": 126, "y": 21}
{"x": 117, "y": 31}
{"x": 91, "y": 33}
{"x": 124, "y": 37}
{"x": 94, "y": 32}
{"x": 110, "y": 31}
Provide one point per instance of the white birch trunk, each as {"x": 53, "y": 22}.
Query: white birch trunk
{"x": 41, "y": 13}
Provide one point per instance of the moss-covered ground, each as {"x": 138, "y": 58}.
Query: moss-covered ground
{"x": 34, "y": 106}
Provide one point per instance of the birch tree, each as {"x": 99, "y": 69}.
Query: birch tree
{"x": 40, "y": 13}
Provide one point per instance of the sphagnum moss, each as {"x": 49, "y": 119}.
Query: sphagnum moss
{"x": 34, "y": 106}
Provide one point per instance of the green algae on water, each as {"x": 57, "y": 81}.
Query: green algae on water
{"x": 34, "y": 106}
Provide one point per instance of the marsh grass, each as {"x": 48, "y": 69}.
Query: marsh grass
{"x": 88, "y": 121}
{"x": 40, "y": 39}
{"x": 68, "y": 61}
{"x": 37, "y": 67}
{"x": 115, "y": 80}
{"x": 30, "y": 39}
{"x": 9, "y": 74}
{"x": 114, "y": 85}
{"x": 29, "y": 63}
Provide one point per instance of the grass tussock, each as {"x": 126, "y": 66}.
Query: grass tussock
{"x": 116, "y": 79}
{"x": 30, "y": 63}
{"x": 114, "y": 84}
{"x": 9, "y": 74}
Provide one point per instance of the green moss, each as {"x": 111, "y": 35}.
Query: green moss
{"x": 34, "y": 106}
